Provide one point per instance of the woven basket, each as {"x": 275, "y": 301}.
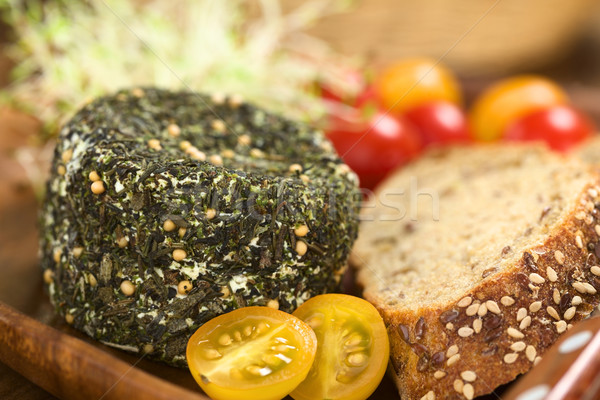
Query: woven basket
{"x": 474, "y": 36}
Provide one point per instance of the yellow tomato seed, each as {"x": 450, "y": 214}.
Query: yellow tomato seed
{"x": 212, "y": 354}
{"x": 356, "y": 359}
{"x": 225, "y": 339}
{"x": 254, "y": 370}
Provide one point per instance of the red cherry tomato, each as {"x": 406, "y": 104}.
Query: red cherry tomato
{"x": 561, "y": 127}
{"x": 440, "y": 123}
{"x": 375, "y": 145}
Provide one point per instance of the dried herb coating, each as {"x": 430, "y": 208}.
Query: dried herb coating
{"x": 235, "y": 222}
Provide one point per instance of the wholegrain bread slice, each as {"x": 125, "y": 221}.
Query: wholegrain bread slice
{"x": 478, "y": 258}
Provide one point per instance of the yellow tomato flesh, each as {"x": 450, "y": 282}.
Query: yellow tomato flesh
{"x": 353, "y": 349}
{"x": 510, "y": 99}
{"x": 253, "y": 353}
{"x": 414, "y": 82}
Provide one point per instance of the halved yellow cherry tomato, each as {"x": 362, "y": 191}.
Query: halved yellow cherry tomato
{"x": 252, "y": 353}
{"x": 353, "y": 349}
{"x": 414, "y": 82}
{"x": 510, "y": 99}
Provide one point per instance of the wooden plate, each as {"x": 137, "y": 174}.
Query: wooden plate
{"x": 21, "y": 287}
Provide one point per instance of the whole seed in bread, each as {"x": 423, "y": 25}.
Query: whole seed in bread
{"x": 165, "y": 209}
{"x": 474, "y": 296}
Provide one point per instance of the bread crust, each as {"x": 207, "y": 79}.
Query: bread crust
{"x": 507, "y": 342}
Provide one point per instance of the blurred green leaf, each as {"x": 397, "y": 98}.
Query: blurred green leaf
{"x": 70, "y": 51}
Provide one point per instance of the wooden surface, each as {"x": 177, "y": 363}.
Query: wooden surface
{"x": 21, "y": 287}
{"x": 72, "y": 369}
{"x": 20, "y": 278}
{"x": 503, "y": 36}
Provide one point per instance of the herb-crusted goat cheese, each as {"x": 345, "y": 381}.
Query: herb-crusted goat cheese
{"x": 165, "y": 209}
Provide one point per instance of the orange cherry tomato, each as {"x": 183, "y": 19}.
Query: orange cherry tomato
{"x": 510, "y": 99}
{"x": 414, "y": 82}
{"x": 353, "y": 350}
{"x": 252, "y": 353}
